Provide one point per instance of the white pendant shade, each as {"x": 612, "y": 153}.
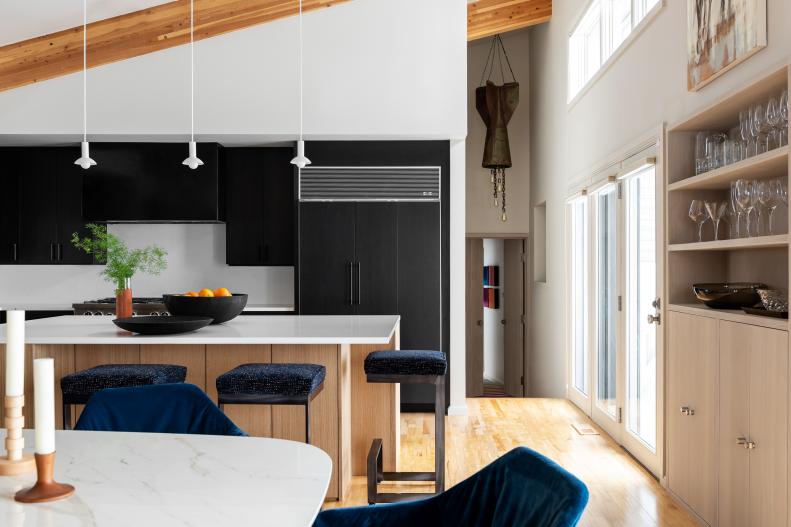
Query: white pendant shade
{"x": 85, "y": 160}
{"x": 193, "y": 161}
{"x": 301, "y": 161}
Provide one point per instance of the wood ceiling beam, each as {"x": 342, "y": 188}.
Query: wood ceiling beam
{"x": 489, "y": 17}
{"x": 137, "y": 33}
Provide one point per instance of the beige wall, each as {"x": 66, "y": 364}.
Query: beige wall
{"x": 482, "y": 216}
{"x": 644, "y": 87}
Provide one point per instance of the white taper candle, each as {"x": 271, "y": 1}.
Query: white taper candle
{"x": 15, "y": 353}
{"x": 44, "y": 397}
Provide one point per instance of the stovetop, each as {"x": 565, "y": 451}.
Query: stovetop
{"x": 135, "y": 300}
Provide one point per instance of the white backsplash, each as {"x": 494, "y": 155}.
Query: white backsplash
{"x": 196, "y": 259}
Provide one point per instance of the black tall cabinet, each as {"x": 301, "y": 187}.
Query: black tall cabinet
{"x": 372, "y": 258}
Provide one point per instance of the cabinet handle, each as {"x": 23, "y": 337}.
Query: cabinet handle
{"x": 741, "y": 441}
{"x": 351, "y": 283}
{"x": 686, "y": 410}
{"x": 750, "y": 445}
{"x": 359, "y": 286}
{"x": 51, "y": 252}
{"x": 60, "y": 252}
{"x": 16, "y": 252}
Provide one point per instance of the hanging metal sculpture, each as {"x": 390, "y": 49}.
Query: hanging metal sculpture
{"x": 496, "y": 105}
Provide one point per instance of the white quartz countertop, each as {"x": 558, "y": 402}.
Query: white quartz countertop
{"x": 263, "y": 329}
{"x": 132, "y": 479}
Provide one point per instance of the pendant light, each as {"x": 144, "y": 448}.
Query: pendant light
{"x": 84, "y": 160}
{"x": 301, "y": 161}
{"x": 193, "y": 161}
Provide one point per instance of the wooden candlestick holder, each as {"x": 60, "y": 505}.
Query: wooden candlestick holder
{"x": 15, "y": 461}
{"x": 46, "y": 488}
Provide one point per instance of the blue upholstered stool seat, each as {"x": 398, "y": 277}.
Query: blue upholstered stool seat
{"x": 78, "y": 387}
{"x": 283, "y": 380}
{"x": 406, "y": 362}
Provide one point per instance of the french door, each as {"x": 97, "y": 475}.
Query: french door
{"x": 615, "y": 271}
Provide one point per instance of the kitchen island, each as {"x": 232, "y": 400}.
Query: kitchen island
{"x": 345, "y": 417}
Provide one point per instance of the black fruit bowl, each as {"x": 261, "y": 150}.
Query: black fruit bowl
{"x": 219, "y": 308}
{"x": 733, "y": 295}
{"x": 162, "y": 325}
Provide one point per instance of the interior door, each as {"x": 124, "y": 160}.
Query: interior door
{"x": 474, "y": 325}
{"x": 514, "y": 316}
{"x": 326, "y": 256}
{"x": 376, "y": 259}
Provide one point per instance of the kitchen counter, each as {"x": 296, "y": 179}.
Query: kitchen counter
{"x": 345, "y": 416}
{"x": 280, "y": 329}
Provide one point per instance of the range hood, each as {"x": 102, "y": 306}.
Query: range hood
{"x": 146, "y": 183}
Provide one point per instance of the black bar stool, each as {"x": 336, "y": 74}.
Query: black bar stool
{"x": 78, "y": 387}
{"x": 286, "y": 384}
{"x": 408, "y": 367}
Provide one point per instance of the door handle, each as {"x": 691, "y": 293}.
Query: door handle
{"x": 351, "y": 283}
{"x": 359, "y": 283}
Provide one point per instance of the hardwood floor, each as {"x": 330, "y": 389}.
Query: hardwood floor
{"x": 622, "y": 493}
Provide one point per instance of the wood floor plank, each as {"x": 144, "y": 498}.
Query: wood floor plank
{"x": 622, "y": 492}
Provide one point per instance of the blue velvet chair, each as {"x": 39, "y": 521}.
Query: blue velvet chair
{"x": 164, "y": 408}
{"x": 521, "y": 489}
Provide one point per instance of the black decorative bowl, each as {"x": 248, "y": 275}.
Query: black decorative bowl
{"x": 162, "y": 325}
{"x": 219, "y": 308}
{"x": 734, "y": 295}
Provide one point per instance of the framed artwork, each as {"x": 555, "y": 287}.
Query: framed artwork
{"x": 722, "y": 34}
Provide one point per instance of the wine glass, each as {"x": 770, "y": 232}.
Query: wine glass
{"x": 773, "y": 122}
{"x": 697, "y": 213}
{"x": 716, "y": 210}
{"x": 768, "y": 198}
{"x": 745, "y": 128}
{"x": 736, "y": 210}
{"x": 744, "y": 200}
{"x": 755, "y": 205}
{"x": 783, "y": 107}
{"x": 758, "y": 128}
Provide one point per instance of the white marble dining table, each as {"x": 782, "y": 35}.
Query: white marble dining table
{"x": 148, "y": 480}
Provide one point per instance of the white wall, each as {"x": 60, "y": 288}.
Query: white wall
{"x": 196, "y": 259}
{"x": 493, "y": 329}
{"x": 373, "y": 69}
{"x": 646, "y": 86}
{"x": 482, "y": 216}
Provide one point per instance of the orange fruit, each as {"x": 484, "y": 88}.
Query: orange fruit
{"x": 191, "y": 293}
{"x": 222, "y": 292}
{"x": 206, "y": 292}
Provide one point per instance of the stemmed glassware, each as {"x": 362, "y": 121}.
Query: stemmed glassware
{"x": 744, "y": 199}
{"x": 773, "y": 122}
{"x": 745, "y": 119}
{"x": 697, "y": 213}
{"x": 758, "y": 128}
{"x": 783, "y": 125}
{"x": 716, "y": 209}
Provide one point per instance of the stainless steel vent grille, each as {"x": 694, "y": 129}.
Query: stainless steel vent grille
{"x": 369, "y": 184}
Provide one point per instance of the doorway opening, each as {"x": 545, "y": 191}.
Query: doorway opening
{"x": 496, "y": 308}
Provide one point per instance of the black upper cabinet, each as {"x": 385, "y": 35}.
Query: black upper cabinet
{"x": 50, "y": 197}
{"x": 9, "y": 208}
{"x": 259, "y": 194}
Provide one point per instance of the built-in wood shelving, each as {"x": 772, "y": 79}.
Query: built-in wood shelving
{"x": 769, "y": 165}
{"x": 731, "y": 315}
{"x": 736, "y": 244}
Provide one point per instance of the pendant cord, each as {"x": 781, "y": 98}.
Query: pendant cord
{"x": 84, "y": 71}
{"x": 192, "y": 71}
{"x": 300, "y": 70}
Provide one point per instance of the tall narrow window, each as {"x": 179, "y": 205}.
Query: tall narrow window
{"x": 606, "y": 299}
{"x": 578, "y": 292}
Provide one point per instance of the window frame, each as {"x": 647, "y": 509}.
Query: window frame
{"x": 614, "y": 54}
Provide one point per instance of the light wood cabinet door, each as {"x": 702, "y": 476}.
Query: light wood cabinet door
{"x": 734, "y": 458}
{"x": 692, "y": 412}
{"x": 768, "y": 498}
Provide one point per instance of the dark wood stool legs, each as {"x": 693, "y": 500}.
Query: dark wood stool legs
{"x": 375, "y": 473}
